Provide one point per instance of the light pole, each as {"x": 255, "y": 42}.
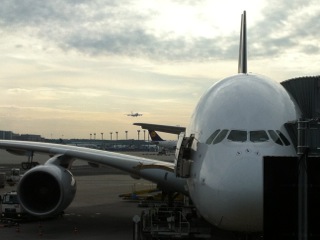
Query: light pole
{"x": 138, "y": 134}
{"x": 111, "y": 136}
{"x": 94, "y": 136}
{"x": 117, "y": 135}
{"x": 101, "y": 136}
{"x": 126, "y": 135}
{"x": 90, "y": 136}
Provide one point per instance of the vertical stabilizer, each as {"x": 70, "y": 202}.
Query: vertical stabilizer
{"x": 155, "y": 136}
{"x": 242, "y": 64}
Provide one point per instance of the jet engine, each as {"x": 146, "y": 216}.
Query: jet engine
{"x": 46, "y": 190}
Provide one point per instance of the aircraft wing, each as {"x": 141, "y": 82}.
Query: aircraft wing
{"x": 159, "y": 172}
{"x": 162, "y": 128}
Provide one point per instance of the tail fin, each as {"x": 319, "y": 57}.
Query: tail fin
{"x": 154, "y": 136}
{"x": 242, "y": 64}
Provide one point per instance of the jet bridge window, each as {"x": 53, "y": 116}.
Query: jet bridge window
{"x": 213, "y": 135}
{"x": 221, "y": 136}
{"x": 237, "y": 136}
{"x": 258, "y": 136}
{"x": 275, "y": 137}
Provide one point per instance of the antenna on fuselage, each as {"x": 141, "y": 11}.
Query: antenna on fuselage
{"x": 242, "y": 64}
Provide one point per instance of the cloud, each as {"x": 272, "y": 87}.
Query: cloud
{"x": 286, "y": 26}
{"x": 106, "y": 28}
{"x": 121, "y": 28}
{"x": 111, "y": 28}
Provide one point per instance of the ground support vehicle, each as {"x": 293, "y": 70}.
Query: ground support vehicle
{"x": 165, "y": 222}
{"x": 11, "y": 208}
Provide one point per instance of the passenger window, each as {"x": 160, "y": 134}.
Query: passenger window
{"x": 258, "y": 136}
{"x": 213, "y": 135}
{"x": 237, "y": 136}
{"x": 283, "y": 138}
{"x": 221, "y": 136}
{"x": 275, "y": 137}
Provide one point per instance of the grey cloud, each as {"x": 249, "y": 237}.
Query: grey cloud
{"x": 311, "y": 49}
{"x": 136, "y": 42}
{"x": 102, "y": 28}
{"x": 29, "y": 12}
{"x": 112, "y": 28}
{"x": 277, "y": 20}
{"x": 189, "y": 2}
{"x": 59, "y": 13}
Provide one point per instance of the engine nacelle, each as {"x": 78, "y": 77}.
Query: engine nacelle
{"x": 46, "y": 190}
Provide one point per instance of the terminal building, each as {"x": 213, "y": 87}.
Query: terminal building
{"x": 9, "y": 135}
{"x": 6, "y": 135}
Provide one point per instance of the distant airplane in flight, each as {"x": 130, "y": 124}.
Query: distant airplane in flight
{"x": 132, "y": 114}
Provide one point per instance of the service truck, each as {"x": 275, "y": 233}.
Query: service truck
{"x": 10, "y": 206}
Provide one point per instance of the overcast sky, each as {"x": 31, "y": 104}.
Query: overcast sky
{"x": 74, "y": 67}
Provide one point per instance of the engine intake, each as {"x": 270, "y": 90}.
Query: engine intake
{"x": 46, "y": 190}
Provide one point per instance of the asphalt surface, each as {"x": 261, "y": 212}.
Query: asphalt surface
{"x": 96, "y": 212}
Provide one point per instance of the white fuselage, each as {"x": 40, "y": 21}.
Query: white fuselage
{"x": 226, "y": 183}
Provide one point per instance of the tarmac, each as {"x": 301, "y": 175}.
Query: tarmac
{"x": 97, "y": 212}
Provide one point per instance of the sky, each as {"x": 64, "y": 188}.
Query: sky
{"x": 71, "y": 68}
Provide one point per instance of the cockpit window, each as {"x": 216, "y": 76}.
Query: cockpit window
{"x": 237, "y": 136}
{"x": 213, "y": 135}
{"x": 283, "y": 138}
{"x": 275, "y": 137}
{"x": 258, "y": 136}
{"x": 254, "y": 136}
{"x": 221, "y": 136}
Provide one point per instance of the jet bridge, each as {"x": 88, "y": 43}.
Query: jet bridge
{"x": 292, "y": 184}
{"x": 306, "y": 92}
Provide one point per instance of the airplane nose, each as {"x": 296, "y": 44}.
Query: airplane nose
{"x": 241, "y": 194}
{"x": 244, "y": 174}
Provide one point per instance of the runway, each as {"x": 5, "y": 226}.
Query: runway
{"x": 96, "y": 212}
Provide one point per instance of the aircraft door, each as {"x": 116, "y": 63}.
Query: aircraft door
{"x": 183, "y": 160}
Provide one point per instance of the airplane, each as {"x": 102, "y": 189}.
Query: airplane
{"x": 160, "y": 142}
{"x": 132, "y": 114}
{"x": 219, "y": 157}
